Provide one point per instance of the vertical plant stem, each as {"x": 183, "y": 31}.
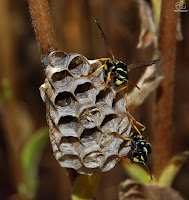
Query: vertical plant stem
{"x": 163, "y": 104}
{"x": 43, "y": 27}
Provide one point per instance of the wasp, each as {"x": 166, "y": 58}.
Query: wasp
{"x": 117, "y": 69}
{"x": 140, "y": 149}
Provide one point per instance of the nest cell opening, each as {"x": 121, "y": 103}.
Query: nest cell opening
{"x": 57, "y": 58}
{"x": 67, "y": 145}
{"x": 102, "y": 95}
{"x": 70, "y": 126}
{"x": 106, "y": 140}
{"x": 64, "y": 99}
{"x": 119, "y": 103}
{"x": 124, "y": 148}
{"x": 76, "y": 66}
{"x": 67, "y": 120}
{"x": 108, "y": 119}
{"x": 82, "y": 90}
{"x": 110, "y": 163}
{"x": 90, "y": 136}
{"x": 69, "y": 140}
{"x": 70, "y": 161}
{"x": 59, "y": 76}
{"x": 93, "y": 159}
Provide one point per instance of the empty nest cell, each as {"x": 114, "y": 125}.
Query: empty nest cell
{"x": 67, "y": 145}
{"x": 105, "y": 96}
{"x": 108, "y": 119}
{"x": 119, "y": 104}
{"x": 70, "y": 126}
{"x": 90, "y": 136}
{"x": 77, "y": 66}
{"x": 82, "y": 91}
{"x": 110, "y": 163}
{"x": 58, "y": 59}
{"x": 110, "y": 122}
{"x": 124, "y": 148}
{"x": 69, "y": 161}
{"x": 93, "y": 159}
{"x": 59, "y": 76}
{"x": 65, "y": 99}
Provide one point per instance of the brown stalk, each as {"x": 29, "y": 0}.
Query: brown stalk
{"x": 163, "y": 101}
{"x": 43, "y": 27}
{"x": 46, "y": 38}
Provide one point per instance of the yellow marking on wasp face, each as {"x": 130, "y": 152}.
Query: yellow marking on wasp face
{"x": 118, "y": 82}
{"x": 142, "y": 158}
{"x": 135, "y": 159}
{"x": 142, "y": 143}
{"x": 146, "y": 150}
{"x": 113, "y": 67}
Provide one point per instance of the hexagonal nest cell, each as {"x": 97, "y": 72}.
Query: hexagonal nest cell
{"x": 82, "y": 117}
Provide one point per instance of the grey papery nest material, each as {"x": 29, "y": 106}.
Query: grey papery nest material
{"x": 82, "y": 117}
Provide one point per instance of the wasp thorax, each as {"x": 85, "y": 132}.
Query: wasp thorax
{"x": 82, "y": 117}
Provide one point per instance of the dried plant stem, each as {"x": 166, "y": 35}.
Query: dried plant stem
{"x": 42, "y": 23}
{"x": 163, "y": 102}
{"x": 43, "y": 27}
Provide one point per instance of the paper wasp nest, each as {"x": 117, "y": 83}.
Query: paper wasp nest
{"x": 82, "y": 117}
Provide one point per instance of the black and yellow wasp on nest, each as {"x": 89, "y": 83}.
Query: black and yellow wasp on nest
{"x": 117, "y": 69}
{"x": 140, "y": 148}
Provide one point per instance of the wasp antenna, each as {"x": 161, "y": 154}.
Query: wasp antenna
{"x": 134, "y": 85}
{"x": 148, "y": 170}
{"x": 143, "y": 64}
{"x": 105, "y": 40}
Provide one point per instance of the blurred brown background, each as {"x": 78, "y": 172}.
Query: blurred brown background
{"x": 76, "y": 32}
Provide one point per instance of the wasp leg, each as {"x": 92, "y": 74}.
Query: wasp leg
{"x": 94, "y": 71}
{"x": 108, "y": 78}
{"x": 138, "y": 123}
{"x": 130, "y": 116}
{"x": 126, "y": 139}
{"x": 126, "y": 159}
{"x": 148, "y": 170}
{"x": 120, "y": 90}
{"x": 103, "y": 59}
{"x": 134, "y": 126}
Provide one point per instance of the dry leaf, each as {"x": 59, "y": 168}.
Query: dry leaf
{"x": 173, "y": 167}
{"x": 131, "y": 190}
{"x": 148, "y": 28}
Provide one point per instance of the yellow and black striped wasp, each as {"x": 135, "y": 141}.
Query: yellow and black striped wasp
{"x": 140, "y": 148}
{"x": 117, "y": 69}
